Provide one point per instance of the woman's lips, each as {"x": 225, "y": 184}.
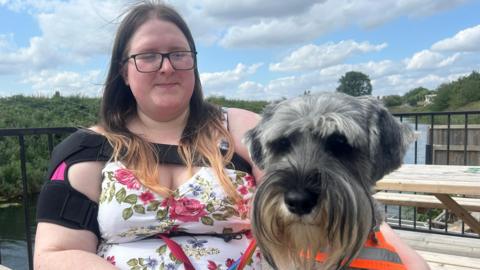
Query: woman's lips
{"x": 166, "y": 85}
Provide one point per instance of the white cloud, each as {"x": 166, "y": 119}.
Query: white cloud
{"x": 321, "y": 18}
{"x": 427, "y": 59}
{"x": 31, "y": 6}
{"x": 66, "y": 82}
{"x": 253, "y": 8}
{"x": 268, "y": 33}
{"x": 83, "y": 28}
{"x": 312, "y": 56}
{"x": 71, "y": 32}
{"x": 250, "y": 90}
{"x": 219, "y": 82}
{"x": 467, "y": 40}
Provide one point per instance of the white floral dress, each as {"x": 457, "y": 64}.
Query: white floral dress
{"x": 130, "y": 217}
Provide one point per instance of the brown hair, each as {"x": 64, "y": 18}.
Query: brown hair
{"x": 204, "y": 129}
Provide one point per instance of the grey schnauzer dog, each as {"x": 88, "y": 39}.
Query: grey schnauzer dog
{"x": 321, "y": 155}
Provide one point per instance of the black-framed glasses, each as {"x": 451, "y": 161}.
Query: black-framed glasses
{"x": 153, "y": 61}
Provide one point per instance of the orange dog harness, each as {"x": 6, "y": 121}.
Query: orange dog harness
{"x": 376, "y": 254}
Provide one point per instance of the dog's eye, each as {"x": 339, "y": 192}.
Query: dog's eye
{"x": 338, "y": 145}
{"x": 281, "y": 145}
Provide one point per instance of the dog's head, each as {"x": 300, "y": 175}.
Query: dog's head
{"x": 321, "y": 155}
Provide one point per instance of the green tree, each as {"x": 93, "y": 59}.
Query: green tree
{"x": 413, "y": 96}
{"x": 355, "y": 84}
{"x": 444, "y": 95}
{"x": 393, "y": 100}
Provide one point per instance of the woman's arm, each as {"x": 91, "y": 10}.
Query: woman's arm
{"x": 410, "y": 258}
{"x": 59, "y": 247}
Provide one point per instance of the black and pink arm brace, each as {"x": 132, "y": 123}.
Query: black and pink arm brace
{"x": 59, "y": 202}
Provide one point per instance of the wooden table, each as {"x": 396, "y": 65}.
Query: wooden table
{"x": 442, "y": 181}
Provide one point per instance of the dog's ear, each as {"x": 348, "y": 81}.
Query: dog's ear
{"x": 389, "y": 140}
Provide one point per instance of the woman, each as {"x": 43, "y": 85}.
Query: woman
{"x": 163, "y": 181}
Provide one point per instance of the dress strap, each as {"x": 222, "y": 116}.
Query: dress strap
{"x": 223, "y": 145}
{"x": 225, "y": 117}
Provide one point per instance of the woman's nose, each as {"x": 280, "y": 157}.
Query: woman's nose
{"x": 166, "y": 66}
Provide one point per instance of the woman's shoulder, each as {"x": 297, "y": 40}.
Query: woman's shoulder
{"x": 241, "y": 120}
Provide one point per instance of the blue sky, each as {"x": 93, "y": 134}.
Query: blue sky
{"x": 251, "y": 49}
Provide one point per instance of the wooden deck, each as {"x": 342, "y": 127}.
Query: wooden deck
{"x": 444, "y": 252}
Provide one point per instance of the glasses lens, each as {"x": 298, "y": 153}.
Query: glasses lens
{"x": 148, "y": 62}
{"x": 182, "y": 60}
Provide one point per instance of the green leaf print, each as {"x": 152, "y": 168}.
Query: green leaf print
{"x": 229, "y": 200}
{"x": 132, "y": 262}
{"x": 153, "y": 205}
{"x": 141, "y": 261}
{"x": 207, "y": 220}
{"x": 161, "y": 250}
{"x": 231, "y": 211}
{"x": 227, "y": 215}
{"x": 218, "y": 216}
{"x": 120, "y": 196}
{"x": 139, "y": 208}
{"x": 103, "y": 198}
{"x": 173, "y": 258}
{"x": 239, "y": 180}
{"x": 131, "y": 199}
{"x": 111, "y": 193}
{"x": 161, "y": 214}
{"x": 210, "y": 208}
{"x": 127, "y": 213}
{"x": 240, "y": 174}
{"x": 227, "y": 230}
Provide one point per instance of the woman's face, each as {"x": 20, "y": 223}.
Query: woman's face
{"x": 164, "y": 94}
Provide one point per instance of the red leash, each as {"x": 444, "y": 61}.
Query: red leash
{"x": 177, "y": 252}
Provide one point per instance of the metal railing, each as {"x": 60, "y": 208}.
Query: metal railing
{"x": 446, "y": 123}
{"x": 20, "y": 134}
{"x": 432, "y": 120}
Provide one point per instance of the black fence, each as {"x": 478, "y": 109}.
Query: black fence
{"x": 21, "y": 134}
{"x": 446, "y": 136}
{"x": 449, "y": 138}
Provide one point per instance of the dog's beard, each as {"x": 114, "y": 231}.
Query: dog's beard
{"x": 338, "y": 225}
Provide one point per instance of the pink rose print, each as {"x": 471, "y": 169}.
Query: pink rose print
{"x": 126, "y": 177}
{"x": 250, "y": 181}
{"x": 111, "y": 259}
{"x": 146, "y": 197}
{"x": 186, "y": 209}
{"x": 212, "y": 265}
{"x": 242, "y": 207}
{"x": 243, "y": 190}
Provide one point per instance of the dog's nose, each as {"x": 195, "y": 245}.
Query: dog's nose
{"x": 300, "y": 202}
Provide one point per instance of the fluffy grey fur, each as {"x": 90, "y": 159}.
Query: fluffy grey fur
{"x": 321, "y": 155}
